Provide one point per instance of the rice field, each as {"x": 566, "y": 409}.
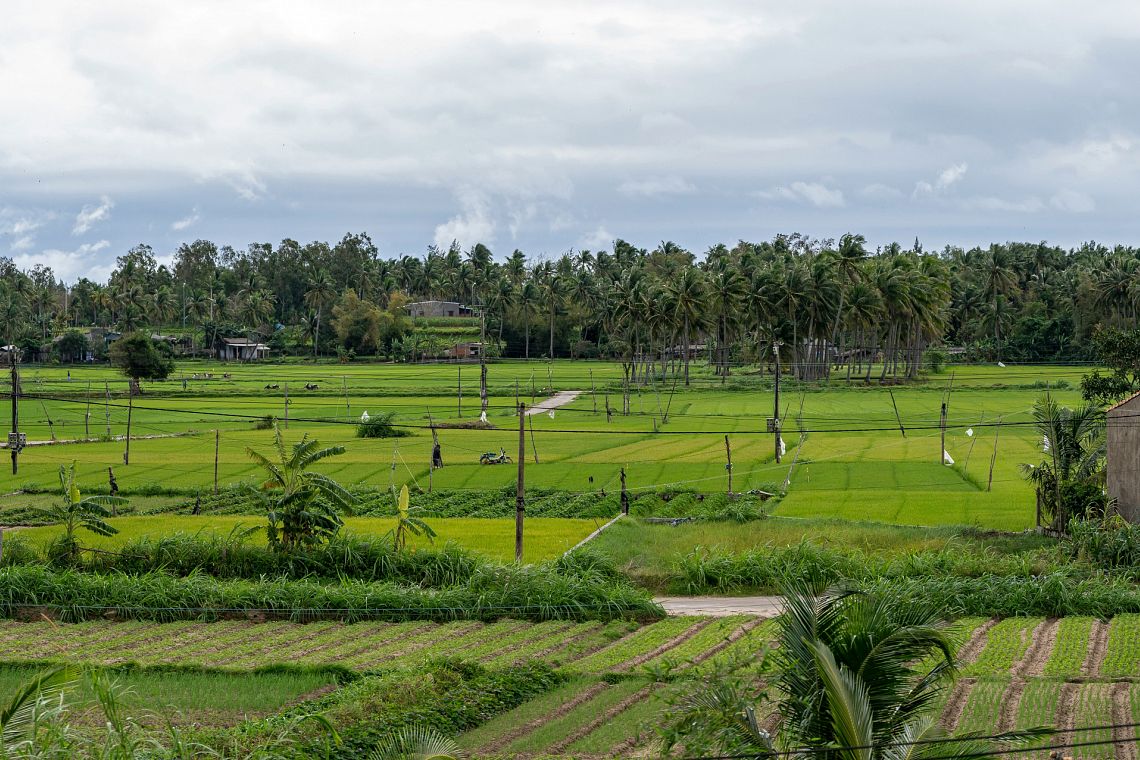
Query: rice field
{"x": 853, "y": 461}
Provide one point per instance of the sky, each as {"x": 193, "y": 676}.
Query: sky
{"x": 550, "y": 126}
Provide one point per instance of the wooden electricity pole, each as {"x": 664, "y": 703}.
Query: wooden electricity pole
{"x": 87, "y": 415}
{"x": 776, "y": 400}
{"x": 14, "y": 442}
{"x": 130, "y": 409}
{"x": 459, "y": 385}
{"x": 520, "y": 489}
{"x": 624, "y": 494}
{"x": 942, "y": 428}
{"x": 993, "y": 457}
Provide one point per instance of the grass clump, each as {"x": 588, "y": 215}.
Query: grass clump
{"x": 380, "y": 426}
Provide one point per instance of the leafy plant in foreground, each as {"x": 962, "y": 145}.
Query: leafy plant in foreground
{"x": 406, "y": 523}
{"x": 301, "y": 505}
{"x": 72, "y": 512}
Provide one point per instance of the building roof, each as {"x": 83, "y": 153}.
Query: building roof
{"x": 1124, "y": 402}
{"x": 242, "y": 342}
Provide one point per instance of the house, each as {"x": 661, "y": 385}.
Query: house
{"x": 465, "y": 350}
{"x": 439, "y": 309}
{"x": 1122, "y": 439}
{"x": 242, "y": 350}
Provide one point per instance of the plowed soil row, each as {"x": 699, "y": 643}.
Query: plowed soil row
{"x": 601, "y": 720}
{"x": 510, "y": 737}
{"x": 1098, "y": 644}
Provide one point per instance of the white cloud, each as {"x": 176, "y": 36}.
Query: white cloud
{"x": 877, "y": 191}
{"x": 815, "y": 193}
{"x": 473, "y": 225}
{"x": 186, "y": 221}
{"x": 599, "y": 239}
{"x": 20, "y": 226}
{"x": 949, "y": 176}
{"x": 1029, "y": 205}
{"x": 656, "y": 186}
{"x": 69, "y": 266}
{"x": 89, "y": 216}
{"x": 22, "y": 243}
{"x": 1073, "y": 202}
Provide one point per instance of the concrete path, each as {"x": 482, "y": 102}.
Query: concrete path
{"x": 558, "y": 399}
{"x": 721, "y": 606}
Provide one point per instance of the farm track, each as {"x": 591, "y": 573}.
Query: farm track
{"x": 1098, "y": 645}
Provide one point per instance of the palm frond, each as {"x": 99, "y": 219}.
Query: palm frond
{"x": 18, "y": 716}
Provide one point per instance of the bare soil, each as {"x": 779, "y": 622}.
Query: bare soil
{"x": 978, "y": 639}
{"x": 1098, "y": 644}
{"x": 956, "y": 704}
{"x": 601, "y": 720}
{"x": 672, "y": 643}
{"x": 520, "y": 731}
{"x": 1044, "y": 636}
{"x": 1125, "y": 738}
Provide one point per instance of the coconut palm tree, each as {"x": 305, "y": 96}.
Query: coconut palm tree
{"x": 689, "y": 294}
{"x": 320, "y": 294}
{"x": 1070, "y": 478}
{"x": 526, "y": 301}
{"x": 999, "y": 280}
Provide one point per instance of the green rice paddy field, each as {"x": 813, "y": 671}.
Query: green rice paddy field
{"x": 852, "y": 461}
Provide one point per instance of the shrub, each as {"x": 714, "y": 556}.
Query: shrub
{"x": 380, "y": 426}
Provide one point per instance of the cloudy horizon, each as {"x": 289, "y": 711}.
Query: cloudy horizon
{"x": 548, "y": 127}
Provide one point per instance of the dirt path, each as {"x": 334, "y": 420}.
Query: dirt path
{"x": 598, "y": 722}
{"x": 978, "y": 640}
{"x": 1040, "y": 647}
{"x": 1126, "y": 738}
{"x": 562, "y": 398}
{"x": 517, "y": 733}
{"x": 1098, "y": 644}
{"x": 722, "y": 606}
{"x": 956, "y": 704}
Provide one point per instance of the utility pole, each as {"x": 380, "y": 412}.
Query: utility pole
{"x": 776, "y": 400}
{"x": 520, "y": 490}
{"x": 217, "y": 445}
{"x": 942, "y": 427}
{"x": 14, "y": 439}
{"x": 624, "y": 494}
{"x": 459, "y": 384}
{"x": 728, "y": 464}
{"x": 130, "y": 409}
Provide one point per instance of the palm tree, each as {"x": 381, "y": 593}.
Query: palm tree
{"x": 1070, "y": 479}
{"x": 999, "y": 280}
{"x": 301, "y": 506}
{"x": 689, "y": 295}
{"x": 526, "y": 301}
{"x": 319, "y": 295}
{"x": 855, "y": 676}
{"x": 726, "y": 293}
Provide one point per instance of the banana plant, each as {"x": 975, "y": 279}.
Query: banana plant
{"x": 406, "y": 523}
{"x": 72, "y": 511}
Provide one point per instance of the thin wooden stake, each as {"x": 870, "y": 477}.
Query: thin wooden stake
{"x": 942, "y": 429}
{"x": 973, "y": 440}
{"x": 897, "y": 417}
{"x": 459, "y": 385}
{"x": 520, "y": 487}
{"x": 530, "y": 419}
{"x": 217, "y": 446}
{"x": 107, "y": 407}
{"x": 347, "y": 408}
{"x": 87, "y": 414}
{"x": 286, "y": 406}
{"x": 993, "y": 457}
{"x": 593, "y": 391}
{"x": 51, "y": 424}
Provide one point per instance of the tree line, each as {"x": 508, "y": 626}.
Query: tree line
{"x": 826, "y": 305}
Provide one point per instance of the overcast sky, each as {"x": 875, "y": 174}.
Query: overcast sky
{"x": 548, "y": 126}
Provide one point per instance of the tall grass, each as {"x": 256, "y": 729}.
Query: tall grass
{"x": 536, "y": 592}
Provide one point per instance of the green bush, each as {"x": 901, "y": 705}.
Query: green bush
{"x": 1111, "y": 543}
{"x": 380, "y": 426}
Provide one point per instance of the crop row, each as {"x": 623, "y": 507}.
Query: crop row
{"x": 1008, "y": 641}
{"x": 583, "y": 647}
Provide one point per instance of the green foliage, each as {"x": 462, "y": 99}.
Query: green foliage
{"x": 1111, "y": 543}
{"x": 536, "y": 592}
{"x": 380, "y": 426}
{"x": 72, "y": 346}
{"x": 302, "y": 506}
{"x": 1069, "y": 480}
{"x": 407, "y": 523}
{"x": 73, "y": 512}
{"x": 446, "y": 696}
{"x": 139, "y": 358}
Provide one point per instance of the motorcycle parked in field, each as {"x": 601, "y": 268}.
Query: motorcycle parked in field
{"x": 490, "y": 457}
